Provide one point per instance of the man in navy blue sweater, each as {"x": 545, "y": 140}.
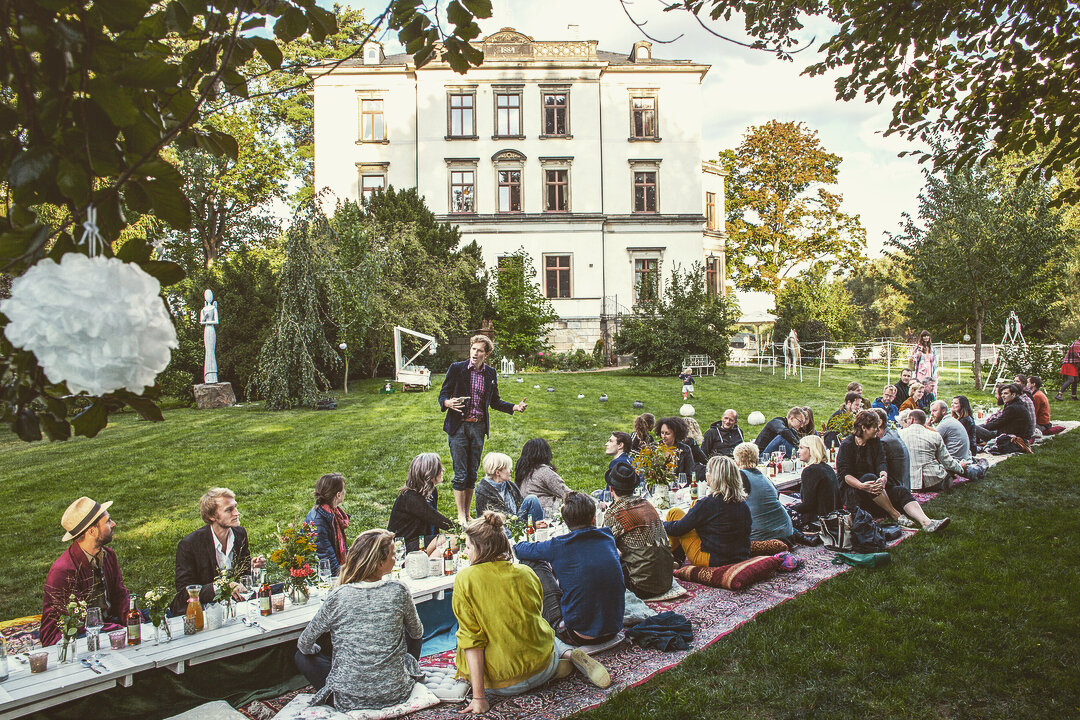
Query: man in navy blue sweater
{"x": 590, "y": 589}
{"x": 470, "y": 388}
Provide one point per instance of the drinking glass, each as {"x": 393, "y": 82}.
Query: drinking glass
{"x": 399, "y": 550}
{"x": 94, "y": 623}
{"x": 324, "y": 573}
{"x": 682, "y": 480}
{"x": 249, "y": 591}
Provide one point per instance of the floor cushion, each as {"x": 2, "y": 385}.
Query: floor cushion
{"x": 731, "y": 577}
{"x": 217, "y": 710}
{"x": 768, "y": 547}
{"x": 301, "y": 709}
{"x": 440, "y": 681}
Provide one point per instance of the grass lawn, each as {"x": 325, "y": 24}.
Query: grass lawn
{"x": 980, "y": 622}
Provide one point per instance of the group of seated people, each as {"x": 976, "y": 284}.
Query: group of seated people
{"x": 521, "y": 624}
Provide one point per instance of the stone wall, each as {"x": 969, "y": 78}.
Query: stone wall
{"x": 571, "y": 334}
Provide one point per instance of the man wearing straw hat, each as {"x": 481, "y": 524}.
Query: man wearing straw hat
{"x": 87, "y": 569}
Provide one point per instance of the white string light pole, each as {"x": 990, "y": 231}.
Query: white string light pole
{"x": 344, "y": 347}
{"x": 821, "y": 367}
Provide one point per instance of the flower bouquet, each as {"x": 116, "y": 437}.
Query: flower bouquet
{"x": 224, "y": 582}
{"x": 156, "y": 602}
{"x": 656, "y": 463}
{"x": 71, "y": 620}
{"x": 295, "y": 550}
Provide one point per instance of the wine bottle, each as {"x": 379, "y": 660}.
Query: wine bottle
{"x": 448, "y": 558}
{"x": 264, "y": 599}
{"x": 134, "y": 623}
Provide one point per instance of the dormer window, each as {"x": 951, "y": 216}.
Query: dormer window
{"x": 642, "y": 51}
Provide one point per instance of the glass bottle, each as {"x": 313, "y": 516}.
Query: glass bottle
{"x": 265, "y": 604}
{"x": 194, "y": 607}
{"x": 530, "y": 531}
{"x": 134, "y": 624}
{"x": 3, "y": 659}
{"x": 448, "y": 558}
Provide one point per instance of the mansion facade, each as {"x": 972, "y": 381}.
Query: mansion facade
{"x": 590, "y": 161}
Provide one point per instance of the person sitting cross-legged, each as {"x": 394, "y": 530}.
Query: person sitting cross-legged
{"x": 504, "y": 645}
{"x": 644, "y": 551}
{"x": 860, "y": 465}
{"x": 374, "y": 630}
{"x": 768, "y": 518}
{"x": 897, "y": 457}
{"x": 932, "y": 467}
{"x": 716, "y": 529}
{"x": 536, "y": 475}
{"x": 585, "y": 563}
{"x": 820, "y": 489}
{"x": 499, "y": 493}
{"x": 1040, "y": 401}
{"x": 1013, "y": 418}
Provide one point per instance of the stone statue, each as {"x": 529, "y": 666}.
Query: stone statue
{"x": 209, "y": 319}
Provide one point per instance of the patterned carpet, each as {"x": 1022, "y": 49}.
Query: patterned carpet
{"x": 714, "y": 612}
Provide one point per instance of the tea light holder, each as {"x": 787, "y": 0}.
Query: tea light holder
{"x": 277, "y": 603}
{"x": 39, "y": 661}
{"x": 189, "y": 626}
{"x": 118, "y": 639}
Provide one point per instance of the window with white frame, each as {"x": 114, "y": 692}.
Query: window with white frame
{"x": 509, "y": 191}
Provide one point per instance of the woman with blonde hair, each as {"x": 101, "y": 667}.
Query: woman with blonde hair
{"x": 820, "y": 489}
{"x": 499, "y": 493}
{"x": 916, "y": 393}
{"x": 716, "y": 529}
{"x": 504, "y": 645}
{"x": 415, "y": 516}
{"x": 693, "y": 440}
{"x": 371, "y": 620}
{"x": 769, "y": 518}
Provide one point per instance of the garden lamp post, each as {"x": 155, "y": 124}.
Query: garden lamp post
{"x": 344, "y": 347}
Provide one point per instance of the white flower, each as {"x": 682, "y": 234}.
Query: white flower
{"x": 97, "y": 323}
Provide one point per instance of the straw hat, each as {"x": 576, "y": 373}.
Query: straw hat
{"x": 80, "y": 515}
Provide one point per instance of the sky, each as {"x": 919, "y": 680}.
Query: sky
{"x": 744, "y": 87}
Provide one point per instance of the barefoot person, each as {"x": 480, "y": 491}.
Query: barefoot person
{"x": 470, "y": 388}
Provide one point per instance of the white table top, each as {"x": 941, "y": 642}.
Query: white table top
{"x": 25, "y": 692}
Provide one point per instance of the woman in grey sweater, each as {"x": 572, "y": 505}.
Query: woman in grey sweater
{"x": 370, "y": 619}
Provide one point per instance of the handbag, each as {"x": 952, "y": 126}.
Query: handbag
{"x": 866, "y": 536}
{"x": 835, "y": 530}
{"x": 870, "y": 560}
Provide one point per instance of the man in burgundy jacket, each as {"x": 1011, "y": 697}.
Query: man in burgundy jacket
{"x": 87, "y": 569}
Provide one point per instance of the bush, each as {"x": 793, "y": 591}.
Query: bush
{"x": 1032, "y": 360}
{"x": 550, "y": 360}
{"x": 686, "y": 320}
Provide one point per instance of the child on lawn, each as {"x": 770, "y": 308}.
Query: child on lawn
{"x": 687, "y": 377}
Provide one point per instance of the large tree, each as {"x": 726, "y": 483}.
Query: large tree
{"x": 984, "y": 246}
{"x": 92, "y": 99}
{"x": 1003, "y": 70}
{"x": 780, "y": 213}
{"x": 817, "y": 305}
{"x": 876, "y": 291}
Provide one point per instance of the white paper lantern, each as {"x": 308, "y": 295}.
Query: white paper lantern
{"x": 756, "y": 418}
{"x": 687, "y": 410}
{"x": 97, "y": 323}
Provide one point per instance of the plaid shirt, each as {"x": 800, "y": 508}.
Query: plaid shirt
{"x": 476, "y": 385}
{"x": 1072, "y": 355}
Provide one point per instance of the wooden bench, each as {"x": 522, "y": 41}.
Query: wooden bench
{"x": 700, "y": 365}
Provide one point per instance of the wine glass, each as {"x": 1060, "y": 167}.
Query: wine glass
{"x": 399, "y": 552}
{"x": 324, "y": 573}
{"x": 248, "y": 581}
{"x": 94, "y": 623}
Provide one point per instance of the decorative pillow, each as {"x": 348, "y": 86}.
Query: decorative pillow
{"x": 300, "y": 708}
{"x": 676, "y": 591}
{"x": 731, "y": 577}
{"x": 788, "y": 562}
{"x": 440, "y": 681}
{"x": 768, "y": 547}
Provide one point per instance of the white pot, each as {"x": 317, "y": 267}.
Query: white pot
{"x": 417, "y": 565}
{"x": 214, "y": 615}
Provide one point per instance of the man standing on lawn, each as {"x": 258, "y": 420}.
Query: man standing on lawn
{"x": 469, "y": 389}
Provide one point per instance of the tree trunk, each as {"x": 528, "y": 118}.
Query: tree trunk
{"x": 978, "y": 349}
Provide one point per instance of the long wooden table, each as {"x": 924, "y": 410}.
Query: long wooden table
{"x": 25, "y": 692}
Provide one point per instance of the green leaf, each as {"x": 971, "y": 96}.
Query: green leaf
{"x": 146, "y": 407}
{"x": 169, "y": 202}
{"x": 27, "y": 426}
{"x": 73, "y": 182}
{"x": 121, "y": 15}
{"x": 178, "y": 17}
{"x": 111, "y": 97}
{"x": 152, "y": 73}
{"x": 57, "y": 428}
{"x": 166, "y": 272}
{"x": 269, "y": 51}
{"x": 31, "y": 165}
{"x": 291, "y": 25}
{"x": 135, "y": 250}
{"x": 479, "y": 8}
{"x": 90, "y": 421}
{"x": 216, "y": 142}
{"x": 457, "y": 14}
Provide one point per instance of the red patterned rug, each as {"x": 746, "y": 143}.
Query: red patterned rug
{"x": 714, "y": 612}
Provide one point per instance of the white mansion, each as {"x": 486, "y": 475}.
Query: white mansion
{"x": 589, "y": 160}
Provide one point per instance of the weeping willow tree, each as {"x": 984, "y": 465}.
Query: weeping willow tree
{"x": 289, "y": 371}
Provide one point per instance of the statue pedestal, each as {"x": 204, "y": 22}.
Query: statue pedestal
{"x": 214, "y": 395}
